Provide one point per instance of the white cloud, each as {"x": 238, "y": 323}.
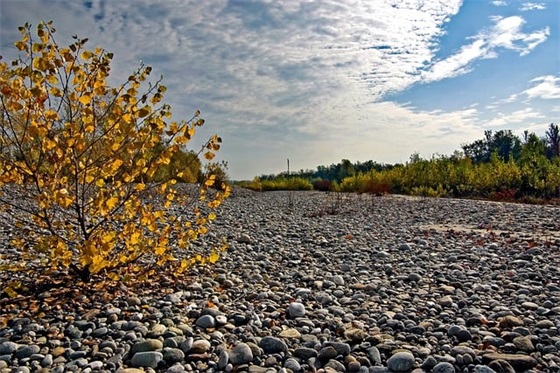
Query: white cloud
{"x": 547, "y": 87}
{"x": 532, "y": 6}
{"x": 506, "y": 33}
{"x": 513, "y": 118}
{"x": 499, "y": 3}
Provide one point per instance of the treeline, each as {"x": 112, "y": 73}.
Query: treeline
{"x": 500, "y": 166}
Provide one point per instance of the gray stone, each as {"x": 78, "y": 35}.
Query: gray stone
{"x": 338, "y": 280}
{"x": 95, "y": 365}
{"x": 483, "y": 369}
{"x": 443, "y": 367}
{"x": 206, "y": 321}
{"x": 241, "y": 354}
{"x": 341, "y": 348}
{"x": 186, "y": 345}
{"x": 429, "y": 363}
{"x": 173, "y": 355}
{"x": 223, "y": 359}
{"x": 8, "y": 348}
{"x": 47, "y": 361}
{"x": 296, "y": 309}
{"x": 99, "y": 332}
{"x": 401, "y": 362}
{"x": 271, "y": 345}
{"x": 176, "y": 368}
{"x": 146, "y": 359}
{"x": 26, "y": 351}
{"x": 374, "y": 355}
{"x": 292, "y": 364}
{"x": 305, "y": 353}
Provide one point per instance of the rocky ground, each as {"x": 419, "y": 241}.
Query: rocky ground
{"x": 320, "y": 283}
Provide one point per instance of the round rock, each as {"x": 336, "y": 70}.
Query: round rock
{"x": 296, "y": 309}
{"x": 401, "y": 362}
{"x": 241, "y": 354}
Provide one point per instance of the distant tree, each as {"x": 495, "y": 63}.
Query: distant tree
{"x": 477, "y": 151}
{"x": 533, "y": 148}
{"x": 504, "y": 143}
{"x": 552, "y": 138}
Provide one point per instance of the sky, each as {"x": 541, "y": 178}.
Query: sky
{"x": 319, "y": 81}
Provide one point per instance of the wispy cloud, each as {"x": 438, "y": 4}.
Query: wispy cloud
{"x": 499, "y": 3}
{"x": 547, "y": 87}
{"x": 532, "y": 6}
{"x": 513, "y": 118}
{"x": 543, "y": 87}
{"x": 505, "y": 34}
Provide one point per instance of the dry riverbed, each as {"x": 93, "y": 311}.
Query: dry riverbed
{"x": 326, "y": 283}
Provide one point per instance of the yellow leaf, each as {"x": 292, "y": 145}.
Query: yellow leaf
{"x": 56, "y": 92}
{"x": 51, "y": 115}
{"x": 211, "y": 216}
{"x": 108, "y": 237}
{"x": 112, "y": 202}
{"x": 86, "y": 55}
{"x": 135, "y": 238}
{"x": 51, "y": 79}
{"x": 116, "y": 164}
{"x": 209, "y": 155}
{"x": 213, "y": 257}
{"x": 20, "y": 45}
{"x": 85, "y": 99}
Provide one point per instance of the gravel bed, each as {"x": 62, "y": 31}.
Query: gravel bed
{"x": 316, "y": 282}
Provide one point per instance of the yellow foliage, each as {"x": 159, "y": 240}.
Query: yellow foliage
{"x": 88, "y": 165}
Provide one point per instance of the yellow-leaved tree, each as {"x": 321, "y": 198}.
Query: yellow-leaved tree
{"x": 78, "y": 166}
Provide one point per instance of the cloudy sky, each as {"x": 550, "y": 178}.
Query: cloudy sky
{"x": 319, "y": 81}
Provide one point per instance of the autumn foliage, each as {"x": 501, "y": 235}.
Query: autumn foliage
{"x": 81, "y": 164}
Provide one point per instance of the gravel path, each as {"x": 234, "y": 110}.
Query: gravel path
{"x": 316, "y": 282}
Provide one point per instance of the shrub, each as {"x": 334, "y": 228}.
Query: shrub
{"x": 285, "y": 183}
{"x": 323, "y": 185}
{"x": 77, "y": 157}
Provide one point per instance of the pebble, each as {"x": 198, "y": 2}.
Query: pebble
{"x": 147, "y": 359}
{"x": 436, "y": 285}
{"x": 241, "y": 354}
{"x": 296, "y": 309}
{"x": 401, "y": 362}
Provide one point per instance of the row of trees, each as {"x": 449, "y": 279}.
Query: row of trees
{"x": 509, "y": 146}
{"x": 499, "y": 166}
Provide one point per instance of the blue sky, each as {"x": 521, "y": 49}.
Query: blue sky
{"x": 319, "y": 81}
